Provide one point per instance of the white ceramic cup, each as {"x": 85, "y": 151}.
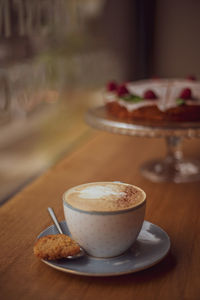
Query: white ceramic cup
{"x": 104, "y": 233}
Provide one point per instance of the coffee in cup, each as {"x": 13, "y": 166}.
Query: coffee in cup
{"x": 105, "y": 218}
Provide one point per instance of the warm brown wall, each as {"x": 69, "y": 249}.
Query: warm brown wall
{"x": 177, "y": 38}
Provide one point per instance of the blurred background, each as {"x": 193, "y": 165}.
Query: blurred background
{"x": 57, "y": 55}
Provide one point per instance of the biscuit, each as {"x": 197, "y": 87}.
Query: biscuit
{"x": 55, "y": 246}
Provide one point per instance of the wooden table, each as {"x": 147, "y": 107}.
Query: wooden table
{"x": 174, "y": 207}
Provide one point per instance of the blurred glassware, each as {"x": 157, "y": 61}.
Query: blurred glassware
{"x": 4, "y": 98}
{"x": 53, "y": 54}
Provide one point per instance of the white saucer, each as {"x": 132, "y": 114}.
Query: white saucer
{"x": 151, "y": 247}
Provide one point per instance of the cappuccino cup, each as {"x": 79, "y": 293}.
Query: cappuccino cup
{"x": 105, "y": 218}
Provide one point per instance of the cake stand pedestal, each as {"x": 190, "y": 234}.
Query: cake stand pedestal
{"x": 174, "y": 167}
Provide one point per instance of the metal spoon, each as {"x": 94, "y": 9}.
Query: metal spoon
{"x": 53, "y": 216}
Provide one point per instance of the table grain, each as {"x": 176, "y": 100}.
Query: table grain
{"x": 105, "y": 157}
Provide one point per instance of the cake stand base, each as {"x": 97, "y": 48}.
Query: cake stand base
{"x": 165, "y": 171}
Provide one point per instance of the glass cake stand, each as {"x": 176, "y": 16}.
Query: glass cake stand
{"x": 174, "y": 167}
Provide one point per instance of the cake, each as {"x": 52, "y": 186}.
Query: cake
{"x": 174, "y": 100}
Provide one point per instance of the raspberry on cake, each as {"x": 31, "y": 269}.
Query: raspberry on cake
{"x": 111, "y": 86}
{"x": 149, "y": 94}
{"x": 176, "y": 100}
{"x": 186, "y": 94}
{"x": 122, "y": 91}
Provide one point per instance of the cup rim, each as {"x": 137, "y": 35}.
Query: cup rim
{"x": 94, "y": 212}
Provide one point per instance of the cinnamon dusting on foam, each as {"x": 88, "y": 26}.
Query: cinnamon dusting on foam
{"x": 105, "y": 196}
{"x": 131, "y": 197}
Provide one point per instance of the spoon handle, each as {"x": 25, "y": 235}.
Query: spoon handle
{"x": 53, "y": 216}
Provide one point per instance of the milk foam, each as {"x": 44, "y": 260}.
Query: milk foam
{"x": 104, "y": 196}
{"x": 96, "y": 192}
